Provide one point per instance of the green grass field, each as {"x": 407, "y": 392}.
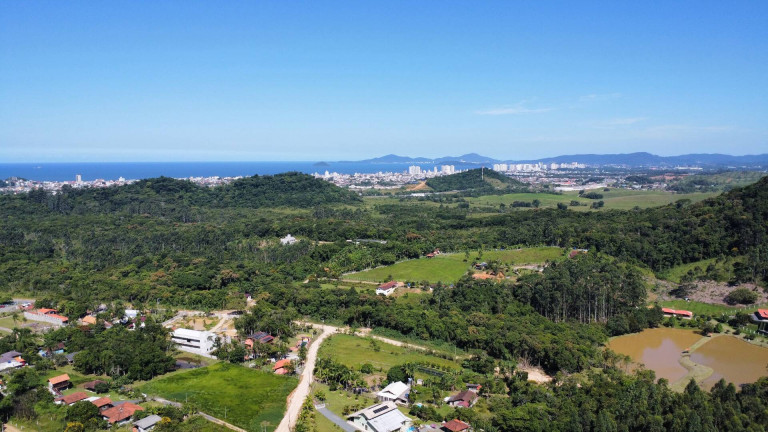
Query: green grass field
{"x": 616, "y": 199}
{"x": 442, "y": 268}
{"x": 676, "y": 273}
{"x": 241, "y": 396}
{"x": 699, "y": 308}
{"x": 450, "y": 267}
{"x": 353, "y": 351}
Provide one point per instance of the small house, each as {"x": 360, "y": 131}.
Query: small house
{"x": 455, "y": 425}
{"x": 71, "y": 398}
{"x": 147, "y": 423}
{"x": 59, "y": 383}
{"x": 396, "y": 392}
{"x": 91, "y": 385}
{"x": 464, "y": 399}
{"x": 387, "y": 288}
{"x": 102, "y": 403}
{"x": 288, "y": 240}
{"x": 120, "y": 414}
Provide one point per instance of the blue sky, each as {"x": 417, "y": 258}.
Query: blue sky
{"x": 321, "y": 80}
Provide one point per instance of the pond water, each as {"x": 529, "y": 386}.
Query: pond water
{"x": 661, "y": 349}
{"x": 658, "y": 349}
{"x": 731, "y": 358}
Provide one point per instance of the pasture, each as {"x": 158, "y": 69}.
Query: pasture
{"x": 236, "y": 394}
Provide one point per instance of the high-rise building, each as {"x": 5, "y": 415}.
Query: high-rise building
{"x": 78, "y": 178}
{"x": 501, "y": 167}
{"x": 448, "y": 169}
{"x": 414, "y": 170}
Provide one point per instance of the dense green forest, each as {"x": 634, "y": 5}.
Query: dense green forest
{"x": 477, "y": 180}
{"x": 144, "y": 250}
{"x": 169, "y": 242}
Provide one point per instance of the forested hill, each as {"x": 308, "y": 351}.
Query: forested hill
{"x": 479, "y": 180}
{"x": 158, "y": 196}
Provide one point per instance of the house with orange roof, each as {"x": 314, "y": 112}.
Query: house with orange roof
{"x": 760, "y": 317}
{"x": 677, "y": 313}
{"x": 71, "y": 398}
{"x": 58, "y": 383}
{"x": 102, "y": 403}
{"x": 455, "y": 425}
{"x": 120, "y": 414}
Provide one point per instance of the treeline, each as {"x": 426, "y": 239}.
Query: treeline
{"x": 473, "y": 315}
{"x": 145, "y": 257}
{"x": 476, "y": 180}
{"x": 609, "y": 400}
{"x": 165, "y": 196}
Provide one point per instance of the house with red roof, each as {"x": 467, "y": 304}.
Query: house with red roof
{"x": 103, "y": 403}
{"x": 71, "y": 398}
{"x": 669, "y": 312}
{"x": 387, "y": 288}
{"x": 455, "y": 425}
{"x": 120, "y": 414}
{"x": 760, "y": 317}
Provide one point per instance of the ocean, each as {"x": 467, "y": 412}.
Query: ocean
{"x": 141, "y": 170}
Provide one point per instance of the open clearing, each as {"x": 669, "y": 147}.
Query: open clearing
{"x": 450, "y": 267}
{"x": 236, "y": 394}
{"x": 617, "y": 199}
{"x": 354, "y": 351}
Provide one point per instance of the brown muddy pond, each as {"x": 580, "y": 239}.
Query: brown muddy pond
{"x": 658, "y": 349}
{"x": 731, "y": 358}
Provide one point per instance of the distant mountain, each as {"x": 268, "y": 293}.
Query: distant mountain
{"x": 643, "y": 159}
{"x": 471, "y": 158}
{"x": 639, "y": 159}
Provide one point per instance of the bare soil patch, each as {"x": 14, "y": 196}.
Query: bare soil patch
{"x": 715, "y": 292}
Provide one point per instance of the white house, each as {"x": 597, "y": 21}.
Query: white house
{"x": 383, "y": 417}
{"x": 288, "y": 240}
{"x": 395, "y": 392}
{"x": 386, "y": 288}
{"x": 197, "y": 342}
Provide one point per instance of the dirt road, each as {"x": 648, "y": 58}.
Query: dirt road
{"x": 296, "y": 399}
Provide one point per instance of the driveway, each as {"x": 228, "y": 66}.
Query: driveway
{"x": 338, "y": 421}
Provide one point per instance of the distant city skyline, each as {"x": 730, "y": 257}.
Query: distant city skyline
{"x": 178, "y": 81}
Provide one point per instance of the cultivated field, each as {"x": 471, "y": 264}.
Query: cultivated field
{"x": 241, "y": 396}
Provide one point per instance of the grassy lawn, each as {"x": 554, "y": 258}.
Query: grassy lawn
{"x": 699, "y": 308}
{"x": 536, "y": 255}
{"x": 442, "y": 268}
{"x": 725, "y": 267}
{"x": 450, "y": 267}
{"x": 248, "y": 396}
{"x": 617, "y": 199}
{"x": 353, "y": 351}
{"x": 7, "y": 321}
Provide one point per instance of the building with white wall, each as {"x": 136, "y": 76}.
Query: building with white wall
{"x": 194, "y": 341}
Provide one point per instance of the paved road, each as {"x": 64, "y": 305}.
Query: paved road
{"x": 296, "y": 399}
{"x": 338, "y": 421}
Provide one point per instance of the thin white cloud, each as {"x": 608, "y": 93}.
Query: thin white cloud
{"x": 516, "y": 109}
